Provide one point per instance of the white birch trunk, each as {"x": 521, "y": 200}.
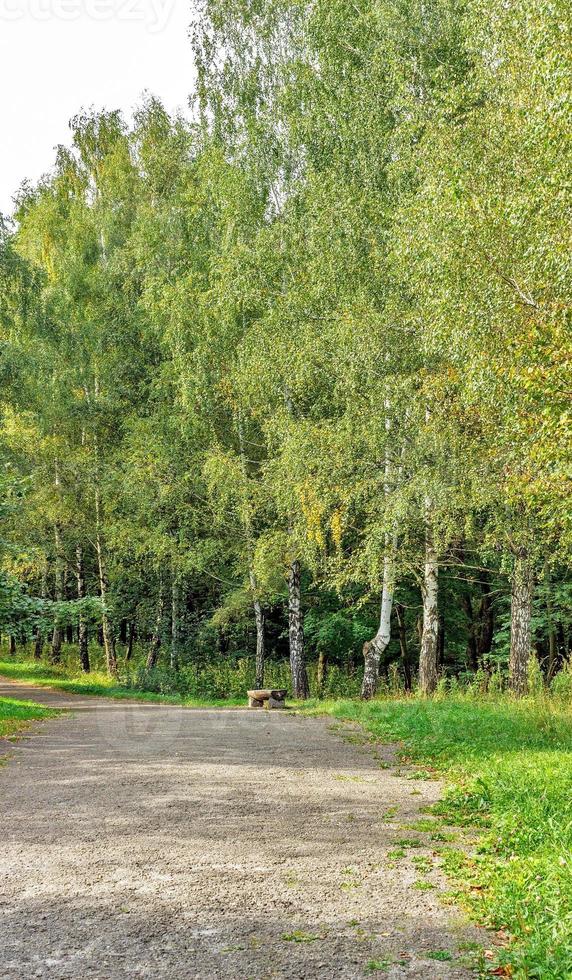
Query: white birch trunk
{"x": 374, "y": 649}
{"x": 520, "y": 622}
{"x": 300, "y": 686}
{"x": 430, "y": 635}
{"x": 108, "y": 635}
{"x": 83, "y": 646}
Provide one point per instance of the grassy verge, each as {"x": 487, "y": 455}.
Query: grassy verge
{"x": 99, "y": 684}
{"x": 15, "y": 716}
{"x": 509, "y": 768}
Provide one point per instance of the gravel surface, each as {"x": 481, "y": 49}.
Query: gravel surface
{"x": 143, "y": 840}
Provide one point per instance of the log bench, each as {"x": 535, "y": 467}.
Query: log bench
{"x": 270, "y": 699}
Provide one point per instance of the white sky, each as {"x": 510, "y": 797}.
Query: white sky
{"x": 59, "y": 56}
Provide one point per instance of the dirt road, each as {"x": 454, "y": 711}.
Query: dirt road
{"x": 152, "y": 841}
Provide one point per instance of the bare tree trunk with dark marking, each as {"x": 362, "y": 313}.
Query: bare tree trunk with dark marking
{"x": 300, "y": 686}
{"x": 430, "y": 635}
{"x": 374, "y": 649}
{"x": 83, "y": 647}
{"x": 520, "y": 622}
{"x": 107, "y": 628}
{"x": 130, "y": 641}
{"x": 260, "y": 620}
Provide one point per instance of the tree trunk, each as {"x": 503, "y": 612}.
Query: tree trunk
{"x": 430, "y": 636}
{"x": 130, "y": 641}
{"x": 486, "y": 620}
{"x": 553, "y": 658}
{"x": 107, "y": 628}
{"x": 57, "y": 635}
{"x": 404, "y": 648}
{"x": 374, "y": 649}
{"x": 300, "y": 687}
{"x": 259, "y": 616}
{"x": 83, "y": 647}
{"x": 520, "y": 620}
{"x": 12, "y": 645}
{"x": 260, "y": 620}
{"x": 260, "y": 643}
{"x": 38, "y": 643}
{"x": 155, "y": 648}
{"x": 322, "y": 672}
{"x": 175, "y": 622}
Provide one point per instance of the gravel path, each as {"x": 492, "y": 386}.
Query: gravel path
{"x": 141, "y": 840}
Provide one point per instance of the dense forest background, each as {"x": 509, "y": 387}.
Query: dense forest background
{"x": 292, "y": 380}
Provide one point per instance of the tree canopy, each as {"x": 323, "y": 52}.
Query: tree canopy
{"x": 292, "y": 378}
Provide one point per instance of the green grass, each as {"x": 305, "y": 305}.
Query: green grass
{"x": 509, "y": 769}
{"x": 15, "y": 716}
{"x": 99, "y": 684}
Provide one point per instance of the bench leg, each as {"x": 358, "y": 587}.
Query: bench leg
{"x": 273, "y": 703}
{"x": 255, "y": 703}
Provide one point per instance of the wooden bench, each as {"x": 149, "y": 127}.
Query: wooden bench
{"x": 270, "y": 699}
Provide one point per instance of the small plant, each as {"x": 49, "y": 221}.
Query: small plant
{"x": 424, "y": 886}
{"x": 422, "y": 863}
{"x": 496, "y": 683}
{"x": 439, "y": 954}
{"x": 535, "y": 677}
{"x": 390, "y": 813}
{"x": 379, "y": 966}
{"x": 561, "y": 686}
{"x": 301, "y": 937}
{"x": 395, "y": 680}
{"x": 422, "y": 826}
